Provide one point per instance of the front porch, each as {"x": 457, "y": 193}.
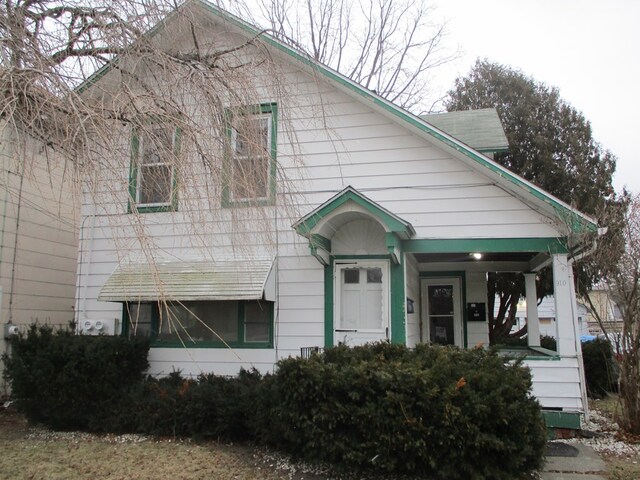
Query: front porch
{"x": 382, "y": 283}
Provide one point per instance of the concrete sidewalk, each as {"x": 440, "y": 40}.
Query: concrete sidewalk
{"x": 586, "y": 466}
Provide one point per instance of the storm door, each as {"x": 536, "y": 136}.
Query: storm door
{"x": 361, "y": 302}
{"x": 442, "y": 311}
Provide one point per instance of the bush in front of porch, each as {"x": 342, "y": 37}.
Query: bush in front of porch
{"x": 434, "y": 411}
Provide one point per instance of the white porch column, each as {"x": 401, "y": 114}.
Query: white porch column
{"x": 533, "y": 323}
{"x": 565, "y": 305}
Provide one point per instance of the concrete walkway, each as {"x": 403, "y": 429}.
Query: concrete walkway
{"x": 586, "y": 466}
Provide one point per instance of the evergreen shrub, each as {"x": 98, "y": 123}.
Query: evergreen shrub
{"x": 435, "y": 412}
{"x": 600, "y": 369}
{"x": 207, "y": 407}
{"x": 438, "y": 412}
{"x": 64, "y": 380}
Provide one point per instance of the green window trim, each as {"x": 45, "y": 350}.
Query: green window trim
{"x": 259, "y": 109}
{"x": 239, "y": 343}
{"x": 132, "y": 204}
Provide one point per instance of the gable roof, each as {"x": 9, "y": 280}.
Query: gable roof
{"x": 526, "y": 191}
{"x": 481, "y": 129}
{"x": 391, "y": 222}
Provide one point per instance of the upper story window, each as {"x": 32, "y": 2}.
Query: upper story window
{"x": 153, "y": 176}
{"x": 251, "y": 159}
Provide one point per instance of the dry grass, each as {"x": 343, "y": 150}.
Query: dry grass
{"x": 39, "y": 454}
{"x": 623, "y": 466}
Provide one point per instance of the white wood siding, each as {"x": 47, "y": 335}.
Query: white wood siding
{"x": 556, "y": 383}
{"x": 477, "y": 332}
{"x": 326, "y": 141}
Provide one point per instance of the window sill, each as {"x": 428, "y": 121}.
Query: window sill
{"x": 258, "y": 202}
{"x": 153, "y": 209}
{"x": 167, "y": 344}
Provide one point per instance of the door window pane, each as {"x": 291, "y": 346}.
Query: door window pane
{"x": 441, "y": 329}
{"x": 440, "y": 300}
{"x": 374, "y": 275}
{"x": 352, "y": 275}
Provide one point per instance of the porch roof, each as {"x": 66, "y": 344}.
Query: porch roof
{"x": 317, "y": 220}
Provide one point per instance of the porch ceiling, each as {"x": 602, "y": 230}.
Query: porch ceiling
{"x": 466, "y": 257}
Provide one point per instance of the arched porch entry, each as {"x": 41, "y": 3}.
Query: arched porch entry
{"x": 359, "y": 244}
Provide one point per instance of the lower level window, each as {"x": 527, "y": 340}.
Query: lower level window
{"x": 214, "y": 323}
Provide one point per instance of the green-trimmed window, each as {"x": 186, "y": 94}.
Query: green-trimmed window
{"x": 240, "y": 323}
{"x": 153, "y": 172}
{"x": 250, "y": 163}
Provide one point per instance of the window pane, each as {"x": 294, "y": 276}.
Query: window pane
{"x": 250, "y": 177}
{"x": 250, "y": 169}
{"x": 257, "y": 322}
{"x": 140, "y": 315}
{"x": 155, "y": 184}
{"x": 252, "y": 136}
{"x": 374, "y": 275}
{"x": 155, "y": 171}
{"x": 156, "y": 144}
{"x": 199, "y": 322}
{"x": 352, "y": 275}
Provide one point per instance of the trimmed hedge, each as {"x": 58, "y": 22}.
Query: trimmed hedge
{"x": 209, "y": 407}
{"x": 65, "y": 380}
{"x": 439, "y": 412}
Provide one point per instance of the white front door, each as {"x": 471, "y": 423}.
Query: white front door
{"x": 361, "y": 310}
{"x": 442, "y": 310}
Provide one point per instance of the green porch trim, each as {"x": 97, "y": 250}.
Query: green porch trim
{"x": 318, "y": 241}
{"x": 561, "y": 419}
{"x": 398, "y": 303}
{"x": 462, "y": 275}
{"x": 486, "y": 245}
{"x": 397, "y": 321}
{"x": 328, "y": 304}
{"x": 545, "y": 354}
{"x": 395, "y": 224}
{"x": 539, "y": 353}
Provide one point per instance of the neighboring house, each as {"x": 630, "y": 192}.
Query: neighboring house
{"x": 38, "y": 234}
{"x": 547, "y": 317}
{"x": 603, "y": 306}
{"x": 398, "y": 224}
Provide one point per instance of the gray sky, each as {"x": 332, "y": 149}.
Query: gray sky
{"x": 589, "y": 49}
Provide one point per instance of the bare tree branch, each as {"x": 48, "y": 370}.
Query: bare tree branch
{"x": 389, "y": 46}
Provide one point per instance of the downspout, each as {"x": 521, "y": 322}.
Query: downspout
{"x": 83, "y": 299}
{"x": 15, "y": 244}
{"x": 4, "y": 220}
